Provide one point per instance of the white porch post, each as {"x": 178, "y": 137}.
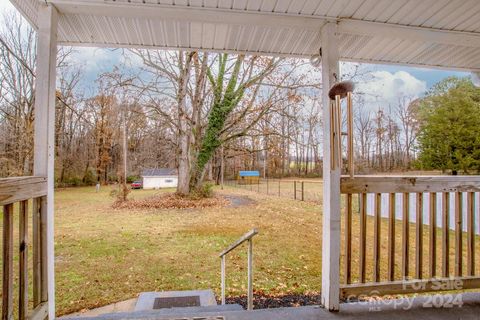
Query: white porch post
{"x": 331, "y": 178}
{"x": 44, "y": 147}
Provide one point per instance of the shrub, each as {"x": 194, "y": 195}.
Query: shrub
{"x": 75, "y": 181}
{"x": 113, "y": 178}
{"x": 132, "y": 178}
{"x": 70, "y": 182}
{"x": 90, "y": 177}
{"x": 204, "y": 191}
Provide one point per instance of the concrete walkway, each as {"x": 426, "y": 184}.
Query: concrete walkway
{"x": 419, "y": 308}
{"x": 122, "y": 306}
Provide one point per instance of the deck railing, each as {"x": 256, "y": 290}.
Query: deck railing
{"x": 15, "y": 195}
{"x": 246, "y": 237}
{"x": 400, "y": 206}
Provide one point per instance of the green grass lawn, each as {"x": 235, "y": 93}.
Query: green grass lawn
{"x": 105, "y": 255}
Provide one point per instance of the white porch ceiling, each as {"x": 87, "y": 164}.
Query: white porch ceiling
{"x": 430, "y": 33}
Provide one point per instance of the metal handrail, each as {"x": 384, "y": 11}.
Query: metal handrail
{"x": 246, "y": 237}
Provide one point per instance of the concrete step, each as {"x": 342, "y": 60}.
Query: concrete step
{"x": 173, "y": 313}
{"x": 388, "y": 310}
{"x": 198, "y": 298}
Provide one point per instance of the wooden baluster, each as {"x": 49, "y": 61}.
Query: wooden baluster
{"x": 23, "y": 261}
{"x": 36, "y": 250}
{"x": 348, "y": 240}
{"x": 433, "y": 234}
{"x": 405, "y": 236}
{"x": 419, "y": 236}
{"x": 458, "y": 233}
{"x": 391, "y": 238}
{"x": 377, "y": 236}
{"x": 445, "y": 234}
{"x": 363, "y": 236}
{"x": 43, "y": 257}
{"x": 471, "y": 234}
{"x": 7, "y": 293}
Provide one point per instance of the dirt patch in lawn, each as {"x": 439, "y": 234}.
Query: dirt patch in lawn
{"x": 239, "y": 201}
{"x": 173, "y": 201}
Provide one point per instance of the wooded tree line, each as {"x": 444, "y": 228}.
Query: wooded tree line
{"x": 386, "y": 138}
{"x": 191, "y": 110}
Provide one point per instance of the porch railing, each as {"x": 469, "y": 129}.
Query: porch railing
{"x": 399, "y": 206}
{"x": 246, "y": 237}
{"x": 16, "y": 195}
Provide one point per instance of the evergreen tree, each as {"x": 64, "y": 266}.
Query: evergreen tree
{"x": 449, "y": 137}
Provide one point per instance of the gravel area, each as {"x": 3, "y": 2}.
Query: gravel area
{"x": 277, "y": 301}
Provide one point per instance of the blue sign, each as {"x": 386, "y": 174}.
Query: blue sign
{"x": 249, "y": 174}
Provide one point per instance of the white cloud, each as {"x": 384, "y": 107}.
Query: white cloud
{"x": 386, "y": 87}
{"x": 92, "y": 58}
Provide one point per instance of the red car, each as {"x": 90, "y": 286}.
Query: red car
{"x": 137, "y": 185}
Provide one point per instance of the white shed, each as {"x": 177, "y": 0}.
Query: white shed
{"x": 160, "y": 178}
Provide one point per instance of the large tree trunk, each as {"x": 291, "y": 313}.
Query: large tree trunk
{"x": 184, "y": 169}
{"x": 226, "y": 96}
{"x": 183, "y": 187}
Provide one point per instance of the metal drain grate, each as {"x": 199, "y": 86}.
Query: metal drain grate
{"x": 176, "y": 302}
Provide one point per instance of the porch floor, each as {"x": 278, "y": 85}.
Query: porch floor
{"x": 400, "y": 309}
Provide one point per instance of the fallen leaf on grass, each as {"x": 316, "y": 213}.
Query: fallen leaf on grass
{"x": 172, "y": 201}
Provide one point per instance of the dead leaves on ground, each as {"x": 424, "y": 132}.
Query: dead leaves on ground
{"x": 172, "y": 201}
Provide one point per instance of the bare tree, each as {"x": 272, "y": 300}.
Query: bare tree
{"x": 17, "y": 88}
{"x": 407, "y": 112}
{"x": 363, "y": 134}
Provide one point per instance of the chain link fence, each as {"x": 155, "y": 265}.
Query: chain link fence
{"x": 302, "y": 190}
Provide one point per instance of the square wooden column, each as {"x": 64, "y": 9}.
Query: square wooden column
{"x": 44, "y": 141}
{"x": 331, "y": 177}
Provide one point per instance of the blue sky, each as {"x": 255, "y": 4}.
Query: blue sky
{"x": 430, "y": 76}
{"x": 95, "y": 60}
{"x": 386, "y": 86}
{"x": 389, "y": 82}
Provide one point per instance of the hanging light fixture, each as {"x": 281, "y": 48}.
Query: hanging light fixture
{"x": 341, "y": 89}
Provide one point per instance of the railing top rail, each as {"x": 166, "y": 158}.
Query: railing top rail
{"x": 22, "y": 179}
{"x": 409, "y": 184}
{"x": 21, "y": 188}
{"x": 247, "y": 236}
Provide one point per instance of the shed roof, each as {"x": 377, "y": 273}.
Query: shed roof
{"x": 159, "y": 172}
{"x": 430, "y": 33}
